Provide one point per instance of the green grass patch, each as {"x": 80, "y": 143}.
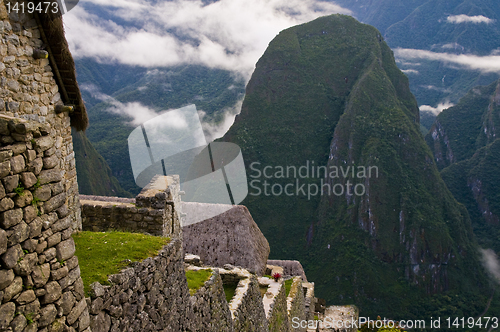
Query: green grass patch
{"x": 196, "y": 279}
{"x": 288, "y": 285}
{"x": 229, "y": 290}
{"x": 103, "y": 253}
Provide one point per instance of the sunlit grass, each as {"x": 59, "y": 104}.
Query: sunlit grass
{"x": 104, "y": 253}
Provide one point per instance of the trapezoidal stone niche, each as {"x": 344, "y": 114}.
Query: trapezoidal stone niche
{"x": 231, "y": 237}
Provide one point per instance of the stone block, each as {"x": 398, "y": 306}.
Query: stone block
{"x": 47, "y": 315}
{"x": 66, "y": 249}
{"x": 50, "y": 162}
{"x": 7, "y": 311}
{"x": 67, "y": 302}
{"x": 3, "y": 241}
{"x": 35, "y": 166}
{"x": 41, "y": 275}
{"x": 36, "y": 227}
{"x": 18, "y": 233}
{"x": 15, "y": 287}
{"x": 26, "y": 297}
{"x": 4, "y": 168}
{"x": 76, "y": 311}
{"x": 57, "y": 188}
{"x": 53, "y": 294}
{"x": 43, "y": 143}
{"x": 51, "y": 175}
{"x": 11, "y": 218}
{"x": 17, "y": 164}
{"x": 6, "y": 204}
{"x": 43, "y": 193}
{"x": 53, "y": 239}
{"x": 10, "y": 183}
{"x": 6, "y": 278}
{"x": 19, "y": 323}
{"x": 62, "y": 224}
{"x": 30, "y": 213}
{"x": 28, "y": 179}
{"x": 54, "y": 203}
{"x": 23, "y": 199}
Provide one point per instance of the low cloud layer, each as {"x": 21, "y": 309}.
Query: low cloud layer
{"x": 491, "y": 263}
{"x": 227, "y": 34}
{"x": 486, "y": 64}
{"x": 135, "y": 111}
{"x": 436, "y": 110}
{"x": 457, "y": 19}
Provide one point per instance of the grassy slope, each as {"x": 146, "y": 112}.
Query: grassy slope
{"x": 294, "y": 101}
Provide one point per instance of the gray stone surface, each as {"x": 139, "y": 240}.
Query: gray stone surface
{"x": 232, "y": 237}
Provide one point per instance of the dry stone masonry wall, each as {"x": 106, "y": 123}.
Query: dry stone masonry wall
{"x": 40, "y": 284}
{"x": 29, "y": 91}
{"x": 150, "y": 296}
{"x": 154, "y": 211}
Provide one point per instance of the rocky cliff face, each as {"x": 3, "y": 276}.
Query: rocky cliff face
{"x": 468, "y": 132}
{"x": 382, "y": 229}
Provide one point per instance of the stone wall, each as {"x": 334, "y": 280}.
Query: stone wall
{"x": 278, "y": 314}
{"x": 154, "y": 211}
{"x": 296, "y": 304}
{"x": 290, "y": 268}
{"x": 40, "y": 284}
{"x": 150, "y": 296}
{"x": 246, "y": 307}
{"x": 28, "y": 90}
{"x": 211, "y": 310}
{"x": 231, "y": 237}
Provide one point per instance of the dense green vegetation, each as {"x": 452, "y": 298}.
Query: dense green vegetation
{"x": 473, "y": 175}
{"x": 101, "y": 254}
{"x": 94, "y": 174}
{"x": 197, "y": 278}
{"x": 334, "y": 76}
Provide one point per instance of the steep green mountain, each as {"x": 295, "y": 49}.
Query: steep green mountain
{"x": 465, "y": 146}
{"x": 94, "y": 174}
{"x": 403, "y": 247}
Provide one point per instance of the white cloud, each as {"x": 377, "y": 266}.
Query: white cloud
{"x": 486, "y": 64}
{"x": 227, "y": 34}
{"x": 432, "y": 87}
{"x": 410, "y": 71}
{"x": 216, "y": 130}
{"x": 457, "y": 19}
{"x": 491, "y": 263}
{"x": 438, "y": 109}
{"x": 134, "y": 110}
